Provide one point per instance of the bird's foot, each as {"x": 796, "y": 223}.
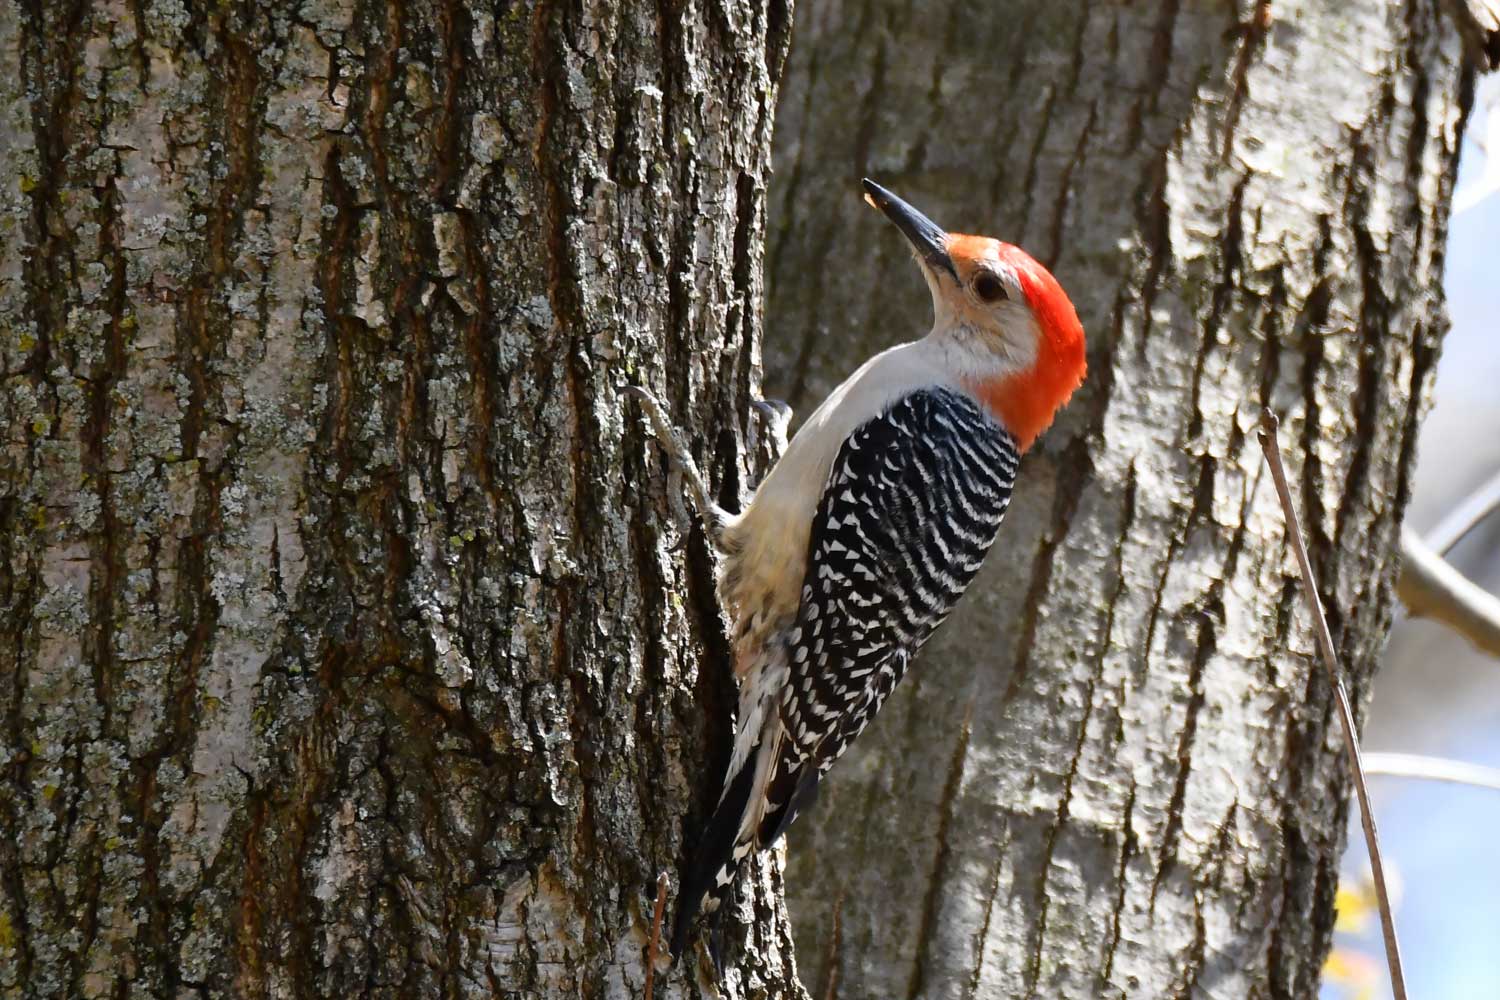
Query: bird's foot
{"x": 768, "y": 432}
{"x": 712, "y": 516}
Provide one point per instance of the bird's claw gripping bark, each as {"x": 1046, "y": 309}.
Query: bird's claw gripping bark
{"x": 711, "y": 514}
{"x": 774, "y": 410}
{"x": 775, "y": 415}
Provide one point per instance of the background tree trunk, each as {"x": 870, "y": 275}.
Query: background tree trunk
{"x": 351, "y": 647}
{"x": 1115, "y": 773}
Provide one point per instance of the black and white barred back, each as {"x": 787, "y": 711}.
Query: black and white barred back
{"x": 912, "y": 503}
{"x": 914, "y": 500}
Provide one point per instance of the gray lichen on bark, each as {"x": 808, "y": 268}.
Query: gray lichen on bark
{"x": 351, "y": 646}
{"x": 1114, "y": 773}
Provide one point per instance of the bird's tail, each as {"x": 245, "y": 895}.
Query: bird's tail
{"x": 770, "y": 789}
{"x": 707, "y": 882}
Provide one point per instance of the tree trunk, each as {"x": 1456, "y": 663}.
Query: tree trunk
{"x": 352, "y": 646}
{"x": 1116, "y": 773}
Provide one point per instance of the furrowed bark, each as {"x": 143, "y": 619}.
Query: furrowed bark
{"x": 1115, "y": 773}
{"x": 350, "y": 644}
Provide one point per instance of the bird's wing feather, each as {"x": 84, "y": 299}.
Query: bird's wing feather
{"x": 913, "y": 501}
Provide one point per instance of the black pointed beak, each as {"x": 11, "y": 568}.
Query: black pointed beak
{"x": 927, "y": 237}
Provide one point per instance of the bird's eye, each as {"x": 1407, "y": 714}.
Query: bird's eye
{"x": 989, "y": 288}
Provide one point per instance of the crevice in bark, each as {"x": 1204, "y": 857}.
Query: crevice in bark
{"x": 1204, "y": 648}
{"x": 1033, "y": 161}
{"x": 1128, "y": 850}
{"x": 1064, "y": 187}
{"x": 1155, "y": 222}
{"x": 1252, "y": 35}
{"x": 1041, "y": 903}
{"x": 1224, "y": 295}
{"x": 981, "y": 937}
{"x": 1073, "y": 467}
{"x": 870, "y": 108}
{"x": 940, "y": 872}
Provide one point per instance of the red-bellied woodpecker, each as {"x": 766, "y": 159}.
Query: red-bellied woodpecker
{"x": 870, "y": 526}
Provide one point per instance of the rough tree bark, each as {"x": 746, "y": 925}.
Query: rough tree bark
{"x": 351, "y": 645}
{"x": 1115, "y": 774}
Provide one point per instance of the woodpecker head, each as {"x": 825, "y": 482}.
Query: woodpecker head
{"x": 1005, "y": 318}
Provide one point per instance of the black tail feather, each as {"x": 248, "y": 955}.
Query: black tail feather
{"x": 715, "y": 852}
{"x": 804, "y": 794}
{"x": 716, "y": 943}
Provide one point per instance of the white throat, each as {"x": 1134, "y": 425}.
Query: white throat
{"x": 981, "y": 341}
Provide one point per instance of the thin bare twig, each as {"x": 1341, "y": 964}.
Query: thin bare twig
{"x": 835, "y": 941}
{"x": 1430, "y": 587}
{"x": 1463, "y": 518}
{"x": 661, "y": 908}
{"x": 1268, "y": 443}
{"x": 1415, "y": 765}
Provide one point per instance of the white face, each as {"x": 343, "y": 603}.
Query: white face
{"x": 983, "y": 314}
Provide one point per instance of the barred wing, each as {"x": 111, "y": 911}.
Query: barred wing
{"x": 913, "y": 502}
